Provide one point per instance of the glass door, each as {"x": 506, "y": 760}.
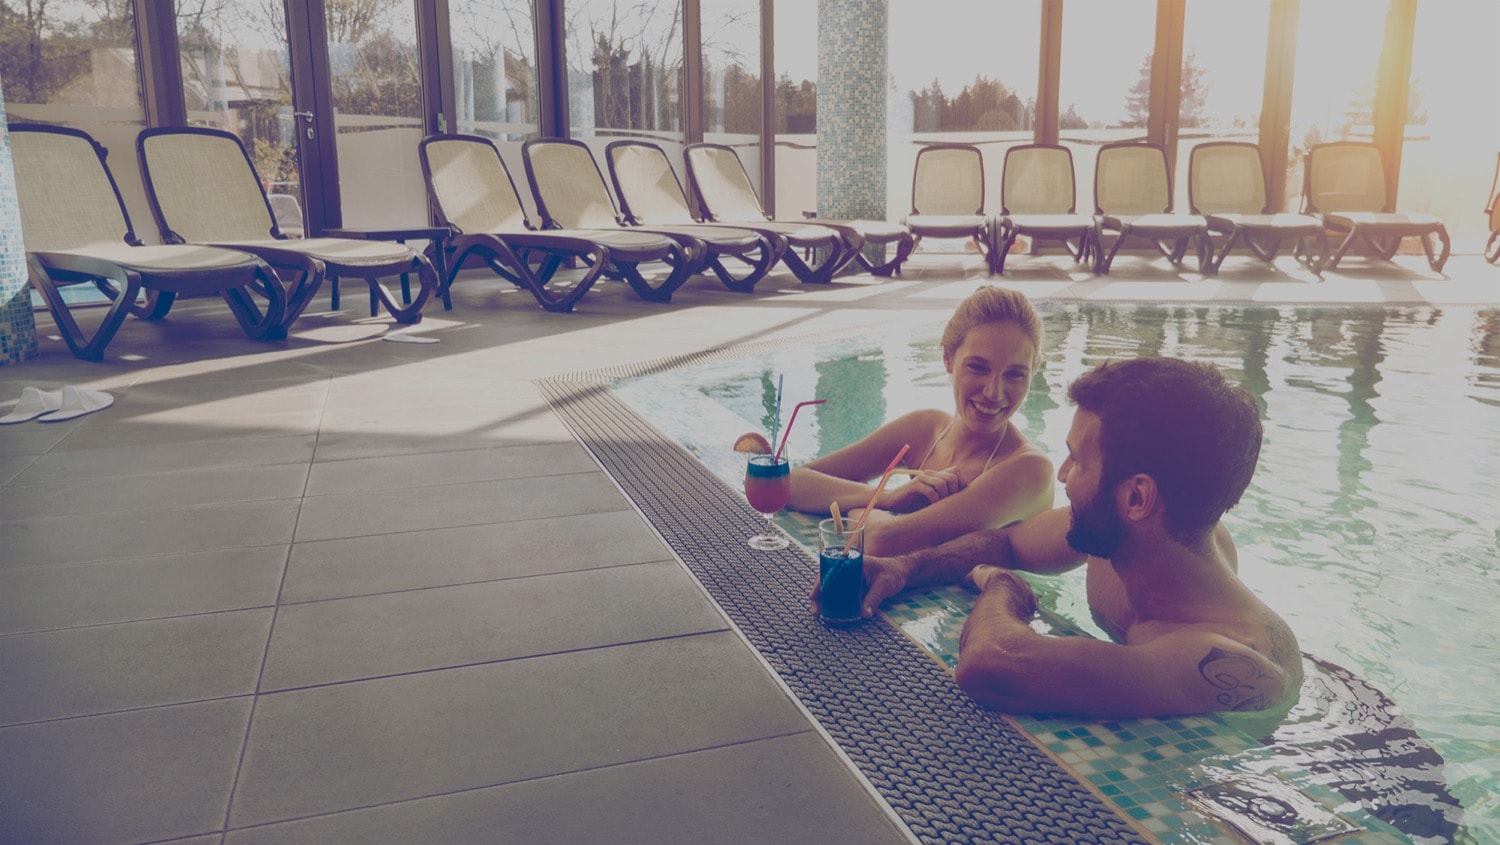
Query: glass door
{"x": 237, "y": 76}
{"x": 376, "y": 92}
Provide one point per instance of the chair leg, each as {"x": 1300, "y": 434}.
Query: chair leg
{"x": 81, "y": 345}
{"x": 408, "y": 314}
{"x": 744, "y": 283}
{"x": 1437, "y": 263}
{"x": 1338, "y": 254}
{"x": 259, "y": 325}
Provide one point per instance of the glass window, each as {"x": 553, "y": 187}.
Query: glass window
{"x": 731, "y": 79}
{"x": 1223, "y": 62}
{"x": 624, "y": 68}
{"x": 75, "y": 65}
{"x": 1104, "y": 83}
{"x": 796, "y": 107}
{"x": 1333, "y": 87}
{"x": 236, "y": 76}
{"x": 957, "y": 83}
{"x": 494, "y": 68}
{"x": 1452, "y": 120}
{"x": 372, "y": 52}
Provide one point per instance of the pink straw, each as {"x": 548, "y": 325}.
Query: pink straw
{"x": 869, "y": 506}
{"x": 788, "y": 433}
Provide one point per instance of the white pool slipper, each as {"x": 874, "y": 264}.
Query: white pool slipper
{"x": 77, "y": 401}
{"x": 33, "y": 403}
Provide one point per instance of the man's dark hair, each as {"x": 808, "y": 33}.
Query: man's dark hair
{"x": 1182, "y": 423}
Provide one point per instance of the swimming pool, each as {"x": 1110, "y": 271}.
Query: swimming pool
{"x": 1372, "y": 524}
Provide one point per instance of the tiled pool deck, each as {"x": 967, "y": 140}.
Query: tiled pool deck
{"x": 343, "y": 590}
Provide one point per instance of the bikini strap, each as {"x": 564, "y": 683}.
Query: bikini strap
{"x": 936, "y": 442}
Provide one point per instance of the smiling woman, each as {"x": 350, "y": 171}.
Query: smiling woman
{"x": 970, "y": 469}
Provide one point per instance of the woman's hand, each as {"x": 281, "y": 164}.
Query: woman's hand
{"x": 922, "y": 490}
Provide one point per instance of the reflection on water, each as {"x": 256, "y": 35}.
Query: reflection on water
{"x": 1372, "y": 524}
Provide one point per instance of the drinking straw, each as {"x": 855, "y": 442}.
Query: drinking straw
{"x": 776, "y": 415}
{"x": 838, "y": 517}
{"x": 865, "y": 514}
{"x": 788, "y": 432}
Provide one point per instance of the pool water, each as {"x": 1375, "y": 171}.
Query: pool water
{"x": 1372, "y": 525}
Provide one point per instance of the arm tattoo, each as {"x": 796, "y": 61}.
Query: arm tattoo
{"x": 1238, "y": 677}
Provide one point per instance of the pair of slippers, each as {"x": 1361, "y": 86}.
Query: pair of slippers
{"x": 56, "y": 405}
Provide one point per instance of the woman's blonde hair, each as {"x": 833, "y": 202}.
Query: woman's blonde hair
{"x": 992, "y": 305}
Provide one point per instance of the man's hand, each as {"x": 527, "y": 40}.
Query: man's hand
{"x": 884, "y": 577}
{"x": 1020, "y": 598}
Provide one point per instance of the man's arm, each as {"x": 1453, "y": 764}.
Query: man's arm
{"x": 1005, "y": 665}
{"x": 1037, "y": 545}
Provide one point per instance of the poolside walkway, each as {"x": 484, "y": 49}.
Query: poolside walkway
{"x": 338, "y": 589}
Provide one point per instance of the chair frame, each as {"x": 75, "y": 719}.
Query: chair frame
{"x": 1271, "y": 228}
{"x": 686, "y": 255}
{"x": 1383, "y": 237}
{"x": 711, "y": 243}
{"x": 788, "y": 236}
{"x": 1007, "y": 229}
{"x": 299, "y": 256}
{"x": 123, "y": 281}
{"x": 1188, "y": 228}
{"x": 982, "y": 235}
{"x": 1492, "y": 246}
{"x": 509, "y": 254}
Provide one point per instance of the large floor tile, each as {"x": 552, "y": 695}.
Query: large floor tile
{"x": 346, "y": 639}
{"x": 352, "y": 745}
{"x": 787, "y": 789}
{"x": 389, "y": 511}
{"x": 155, "y": 490}
{"x": 12, "y": 466}
{"x": 82, "y": 671}
{"x": 44, "y": 541}
{"x": 126, "y": 777}
{"x": 42, "y": 597}
{"x": 385, "y": 563}
{"x": 65, "y": 463}
{"x": 27, "y": 439}
{"x": 407, "y": 471}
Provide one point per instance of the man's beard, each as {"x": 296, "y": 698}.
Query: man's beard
{"x": 1097, "y": 528}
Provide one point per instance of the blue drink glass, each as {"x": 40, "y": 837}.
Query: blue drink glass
{"x": 841, "y": 574}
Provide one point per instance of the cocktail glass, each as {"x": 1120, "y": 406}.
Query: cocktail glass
{"x": 768, "y": 486}
{"x": 841, "y": 573}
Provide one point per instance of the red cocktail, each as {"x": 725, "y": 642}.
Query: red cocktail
{"x": 768, "y": 486}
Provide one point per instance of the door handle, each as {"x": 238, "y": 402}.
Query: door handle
{"x": 307, "y": 116}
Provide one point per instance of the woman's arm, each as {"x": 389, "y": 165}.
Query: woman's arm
{"x": 1015, "y": 489}
{"x": 844, "y": 476}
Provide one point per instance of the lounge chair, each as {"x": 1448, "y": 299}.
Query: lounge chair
{"x": 1038, "y": 199}
{"x": 1345, "y": 188}
{"x": 651, "y": 196}
{"x": 203, "y": 189}
{"x": 571, "y": 192}
{"x": 1227, "y": 184}
{"x": 474, "y": 196}
{"x": 947, "y": 196}
{"x": 1492, "y": 246}
{"x": 723, "y": 193}
{"x": 76, "y": 230}
{"x": 726, "y": 186}
{"x": 1133, "y": 198}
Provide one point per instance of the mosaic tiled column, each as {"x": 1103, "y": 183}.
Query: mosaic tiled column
{"x": 17, "y": 327}
{"x": 852, "y": 83}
